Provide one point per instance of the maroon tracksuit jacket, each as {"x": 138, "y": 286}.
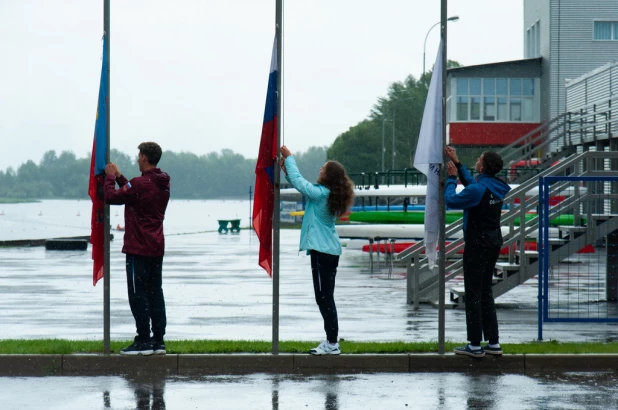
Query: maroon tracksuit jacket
{"x": 145, "y": 199}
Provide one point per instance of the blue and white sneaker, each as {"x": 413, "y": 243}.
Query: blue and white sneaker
{"x": 325, "y": 348}
{"x": 466, "y": 350}
{"x": 494, "y": 351}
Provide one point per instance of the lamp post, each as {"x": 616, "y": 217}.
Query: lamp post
{"x": 453, "y": 18}
{"x": 383, "y": 148}
{"x": 393, "y": 138}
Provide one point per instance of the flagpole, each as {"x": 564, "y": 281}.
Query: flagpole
{"x": 277, "y": 210}
{"x": 106, "y": 219}
{"x": 441, "y": 263}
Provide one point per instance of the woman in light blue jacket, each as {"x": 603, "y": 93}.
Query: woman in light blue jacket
{"x": 327, "y": 200}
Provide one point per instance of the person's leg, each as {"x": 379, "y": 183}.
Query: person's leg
{"x": 137, "y": 279}
{"x": 490, "y": 319}
{"x": 473, "y": 286}
{"x": 156, "y": 299}
{"x": 324, "y": 271}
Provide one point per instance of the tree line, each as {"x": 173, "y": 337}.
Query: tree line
{"x": 390, "y": 130}
{"x": 393, "y": 122}
{"x": 222, "y": 174}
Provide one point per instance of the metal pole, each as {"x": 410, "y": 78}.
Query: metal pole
{"x": 383, "y": 149}
{"x": 250, "y": 208}
{"x": 441, "y": 263}
{"x": 393, "y": 143}
{"x": 424, "y": 45}
{"x": 277, "y": 211}
{"x": 106, "y": 219}
{"x": 453, "y": 18}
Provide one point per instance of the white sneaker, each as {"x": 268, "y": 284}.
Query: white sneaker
{"x": 325, "y": 348}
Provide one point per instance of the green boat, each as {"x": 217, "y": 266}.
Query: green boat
{"x": 418, "y": 217}
{"x": 567, "y": 220}
{"x": 397, "y": 217}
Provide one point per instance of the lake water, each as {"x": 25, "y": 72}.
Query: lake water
{"x": 215, "y": 289}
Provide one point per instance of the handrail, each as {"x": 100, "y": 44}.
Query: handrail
{"x": 517, "y": 193}
{"x": 571, "y": 122}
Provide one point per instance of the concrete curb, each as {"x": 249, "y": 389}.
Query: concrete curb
{"x": 213, "y": 364}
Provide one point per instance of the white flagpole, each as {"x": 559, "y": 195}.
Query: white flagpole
{"x": 441, "y": 269}
{"x": 106, "y": 220}
{"x": 276, "y": 210}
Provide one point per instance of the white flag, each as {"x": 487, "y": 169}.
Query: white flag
{"x": 428, "y": 158}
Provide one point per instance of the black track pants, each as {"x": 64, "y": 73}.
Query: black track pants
{"x": 481, "y": 320}
{"x": 144, "y": 283}
{"x": 324, "y": 270}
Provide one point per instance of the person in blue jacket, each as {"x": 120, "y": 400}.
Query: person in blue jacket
{"x": 327, "y": 200}
{"x": 481, "y": 201}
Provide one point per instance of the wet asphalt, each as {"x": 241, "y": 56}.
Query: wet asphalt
{"x": 450, "y": 391}
{"x": 214, "y": 290}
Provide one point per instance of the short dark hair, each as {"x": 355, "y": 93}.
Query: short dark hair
{"x": 152, "y": 151}
{"x": 492, "y": 162}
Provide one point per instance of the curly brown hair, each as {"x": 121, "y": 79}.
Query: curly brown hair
{"x": 340, "y": 185}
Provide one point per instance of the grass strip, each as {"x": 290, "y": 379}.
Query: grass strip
{"x": 63, "y": 346}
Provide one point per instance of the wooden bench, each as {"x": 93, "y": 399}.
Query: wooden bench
{"x": 234, "y": 225}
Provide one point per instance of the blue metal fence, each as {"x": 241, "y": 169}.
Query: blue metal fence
{"x": 579, "y": 286}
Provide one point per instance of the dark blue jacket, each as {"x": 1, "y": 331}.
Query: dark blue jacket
{"x": 481, "y": 201}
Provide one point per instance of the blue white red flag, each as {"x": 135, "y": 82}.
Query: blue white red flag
{"x": 97, "y": 172}
{"x": 265, "y": 171}
{"x": 428, "y": 158}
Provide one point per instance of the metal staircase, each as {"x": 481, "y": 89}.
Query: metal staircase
{"x": 567, "y": 132}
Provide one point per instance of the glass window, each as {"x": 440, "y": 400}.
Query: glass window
{"x": 502, "y": 86}
{"x": 489, "y": 109}
{"x": 616, "y": 30}
{"x": 532, "y": 41}
{"x": 515, "y": 109}
{"x": 475, "y": 107}
{"x": 603, "y": 30}
{"x": 537, "y": 40}
{"x": 528, "y": 86}
{"x": 489, "y": 86}
{"x": 495, "y": 99}
{"x": 502, "y": 109}
{"x": 526, "y": 108}
{"x": 475, "y": 86}
{"x": 462, "y": 86}
{"x": 515, "y": 86}
{"x": 462, "y": 108}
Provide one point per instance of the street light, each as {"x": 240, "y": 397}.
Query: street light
{"x": 453, "y": 18}
{"x": 393, "y": 138}
{"x": 383, "y": 148}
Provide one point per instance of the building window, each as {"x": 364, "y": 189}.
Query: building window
{"x": 462, "y": 108}
{"x": 606, "y": 30}
{"x": 495, "y": 99}
{"x": 533, "y": 41}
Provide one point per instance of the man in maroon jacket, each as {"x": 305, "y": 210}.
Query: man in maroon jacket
{"x": 145, "y": 199}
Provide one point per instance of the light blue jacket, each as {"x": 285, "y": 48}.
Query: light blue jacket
{"x": 318, "y": 230}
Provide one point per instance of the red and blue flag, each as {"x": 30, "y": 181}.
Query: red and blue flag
{"x": 97, "y": 172}
{"x": 263, "y": 206}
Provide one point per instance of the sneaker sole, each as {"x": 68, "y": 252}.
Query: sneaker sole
{"x": 477, "y": 356}
{"x": 138, "y": 353}
{"x": 159, "y": 352}
{"x": 325, "y": 353}
{"x": 489, "y": 352}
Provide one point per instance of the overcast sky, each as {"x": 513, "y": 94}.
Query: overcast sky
{"x": 192, "y": 74}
